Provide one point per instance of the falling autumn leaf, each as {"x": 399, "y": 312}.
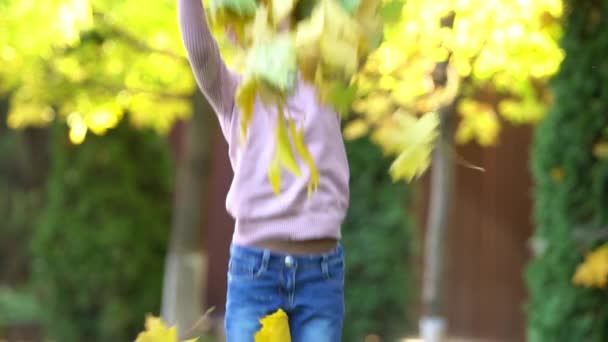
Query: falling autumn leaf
{"x": 325, "y": 43}
{"x": 275, "y": 328}
{"x": 158, "y": 331}
{"x": 413, "y": 144}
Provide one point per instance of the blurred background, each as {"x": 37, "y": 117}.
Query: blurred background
{"x": 113, "y": 175}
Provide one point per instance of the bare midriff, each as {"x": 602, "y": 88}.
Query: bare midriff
{"x": 316, "y": 246}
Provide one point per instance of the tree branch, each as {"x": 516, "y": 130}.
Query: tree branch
{"x": 116, "y": 88}
{"x": 133, "y": 40}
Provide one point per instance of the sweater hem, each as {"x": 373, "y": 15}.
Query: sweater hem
{"x": 293, "y": 228}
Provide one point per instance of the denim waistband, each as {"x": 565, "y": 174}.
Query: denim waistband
{"x": 277, "y": 260}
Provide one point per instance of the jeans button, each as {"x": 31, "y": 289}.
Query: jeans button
{"x": 289, "y": 261}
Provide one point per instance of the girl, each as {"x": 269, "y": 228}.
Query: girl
{"x": 285, "y": 249}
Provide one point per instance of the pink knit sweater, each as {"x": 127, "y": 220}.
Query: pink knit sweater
{"x": 259, "y": 213}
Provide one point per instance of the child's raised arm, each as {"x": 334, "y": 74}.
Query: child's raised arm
{"x": 212, "y": 76}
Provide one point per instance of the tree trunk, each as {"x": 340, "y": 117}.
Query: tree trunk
{"x": 185, "y": 276}
{"x": 433, "y": 324}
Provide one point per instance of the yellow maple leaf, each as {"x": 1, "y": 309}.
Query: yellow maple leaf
{"x": 304, "y": 153}
{"x": 283, "y": 154}
{"x": 275, "y": 328}
{"x": 414, "y": 142}
{"x": 370, "y": 23}
{"x": 274, "y": 174}
{"x": 593, "y": 272}
{"x": 158, "y": 331}
{"x": 330, "y": 37}
{"x": 280, "y": 10}
{"x": 245, "y": 100}
{"x": 340, "y": 39}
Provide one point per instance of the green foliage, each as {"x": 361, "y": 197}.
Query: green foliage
{"x": 480, "y": 60}
{"x": 379, "y": 244}
{"x": 99, "y": 251}
{"x": 18, "y": 306}
{"x": 20, "y": 204}
{"x": 571, "y": 186}
{"x": 18, "y": 207}
{"x": 98, "y": 59}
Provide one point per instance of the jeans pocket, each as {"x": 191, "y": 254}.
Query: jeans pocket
{"x": 245, "y": 269}
{"x": 333, "y": 271}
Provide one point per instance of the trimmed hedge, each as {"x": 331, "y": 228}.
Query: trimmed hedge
{"x": 99, "y": 251}
{"x": 379, "y": 245}
{"x": 571, "y": 185}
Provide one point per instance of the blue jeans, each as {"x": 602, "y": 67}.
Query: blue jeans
{"x": 309, "y": 288}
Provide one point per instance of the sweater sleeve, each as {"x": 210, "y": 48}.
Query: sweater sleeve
{"x": 217, "y": 83}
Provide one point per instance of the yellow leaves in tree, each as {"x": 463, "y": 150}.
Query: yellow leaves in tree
{"x": 47, "y": 64}
{"x": 275, "y": 327}
{"x": 501, "y": 48}
{"x": 356, "y": 129}
{"x": 593, "y": 272}
{"x": 479, "y": 122}
{"x": 158, "y": 331}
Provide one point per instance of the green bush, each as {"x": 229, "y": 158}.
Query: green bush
{"x": 20, "y": 204}
{"x": 571, "y": 185}
{"x": 18, "y": 307}
{"x": 99, "y": 251}
{"x": 378, "y": 240}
